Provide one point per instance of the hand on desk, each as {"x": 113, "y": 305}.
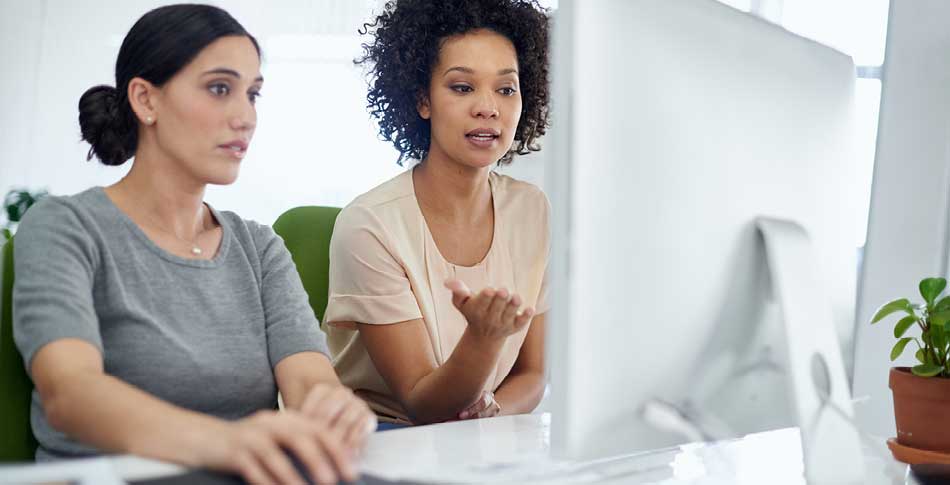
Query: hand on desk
{"x": 485, "y": 407}
{"x": 343, "y": 411}
{"x": 254, "y": 447}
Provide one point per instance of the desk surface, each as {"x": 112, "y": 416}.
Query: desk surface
{"x": 516, "y": 449}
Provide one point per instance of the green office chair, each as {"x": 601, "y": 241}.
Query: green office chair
{"x": 306, "y": 232}
{"x": 16, "y": 437}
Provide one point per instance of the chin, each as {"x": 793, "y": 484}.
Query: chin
{"x": 482, "y": 160}
{"x": 222, "y": 178}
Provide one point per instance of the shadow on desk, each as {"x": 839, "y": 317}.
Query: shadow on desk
{"x": 931, "y": 474}
{"x": 204, "y": 477}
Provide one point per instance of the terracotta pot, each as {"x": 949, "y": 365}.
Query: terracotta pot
{"x": 921, "y": 409}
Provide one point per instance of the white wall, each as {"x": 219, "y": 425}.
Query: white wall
{"x": 315, "y": 143}
{"x": 907, "y": 226}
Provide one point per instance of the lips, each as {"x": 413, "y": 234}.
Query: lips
{"x": 237, "y": 148}
{"x": 483, "y": 134}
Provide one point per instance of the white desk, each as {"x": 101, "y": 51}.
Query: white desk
{"x": 516, "y": 449}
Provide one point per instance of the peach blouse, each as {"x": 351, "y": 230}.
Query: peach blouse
{"x": 385, "y": 268}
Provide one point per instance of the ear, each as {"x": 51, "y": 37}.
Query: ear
{"x": 143, "y": 99}
{"x": 422, "y": 106}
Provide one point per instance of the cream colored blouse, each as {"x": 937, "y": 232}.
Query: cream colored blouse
{"x": 385, "y": 268}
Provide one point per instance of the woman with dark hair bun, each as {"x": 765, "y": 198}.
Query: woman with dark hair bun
{"x": 152, "y": 323}
{"x": 437, "y": 294}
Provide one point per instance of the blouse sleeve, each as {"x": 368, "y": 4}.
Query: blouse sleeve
{"x": 368, "y": 284}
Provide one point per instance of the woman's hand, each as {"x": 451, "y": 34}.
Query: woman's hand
{"x": 485, "y": 407}
{"x": 256, "y": 448}
{"x": 492, "y": 314}
{"x": 343, "y": 411}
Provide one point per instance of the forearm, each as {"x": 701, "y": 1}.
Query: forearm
{"x": 520, "y": 392}
{"x": 297, "y": 374}
{"x": 112, "y": 415}
{"x": 457, "y": 383}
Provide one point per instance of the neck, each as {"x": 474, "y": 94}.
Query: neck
{"x": 163, "y": 196}
{"x": 455, "y": 191}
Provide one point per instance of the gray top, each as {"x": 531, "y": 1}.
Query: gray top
{"x": 201, "y": 334}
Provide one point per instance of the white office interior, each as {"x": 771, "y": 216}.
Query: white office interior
{"x": 771, "y": 172}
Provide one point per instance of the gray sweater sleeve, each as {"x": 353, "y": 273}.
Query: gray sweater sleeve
{"x": 291, "y": 324}
{"x": 54, "y": 261}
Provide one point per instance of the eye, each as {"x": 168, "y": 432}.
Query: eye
{"x": 219, "y": 89}
{"x": 507, "y": 91}
{"x": 253, "y": 95}
{"x": 461, "y": 88}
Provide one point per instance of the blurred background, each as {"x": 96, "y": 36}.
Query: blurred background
{"x": 315, "y": 143}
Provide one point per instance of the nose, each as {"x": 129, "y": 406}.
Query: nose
{"x": 485, "y": 107}
{"x": 244, "y": 117}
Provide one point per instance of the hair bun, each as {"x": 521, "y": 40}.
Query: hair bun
{"x": 104, "y": 126}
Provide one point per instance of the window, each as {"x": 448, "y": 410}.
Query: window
{"x": 855, "y": 27}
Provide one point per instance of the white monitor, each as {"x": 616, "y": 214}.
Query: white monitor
{"x": 677, "y": 123}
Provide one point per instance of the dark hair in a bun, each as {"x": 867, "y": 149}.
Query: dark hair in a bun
{"x": 159, "y": 45}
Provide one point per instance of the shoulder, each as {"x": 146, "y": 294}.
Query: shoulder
{"x": 520, "y": 197}
{"x": 389, "y": 193}
{"x": 249, "y": 233}
{"x": 62, "y": 214}
{"x": 384, "y": 208}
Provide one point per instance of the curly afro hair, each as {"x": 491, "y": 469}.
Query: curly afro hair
{"x": 406, "y": 38}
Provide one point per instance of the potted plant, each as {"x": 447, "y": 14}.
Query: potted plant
{"x": 15, "y": 204}
{"x": 922, "y": 392}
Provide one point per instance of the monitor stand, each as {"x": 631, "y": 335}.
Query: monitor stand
{"x": 816, "y": 377}
{"x": 806, "y": 361}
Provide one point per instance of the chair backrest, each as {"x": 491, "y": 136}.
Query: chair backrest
{"x": 306, "y": 231}
{"x": 16, "y": 437}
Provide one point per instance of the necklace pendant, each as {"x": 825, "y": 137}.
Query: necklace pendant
{"x": 196, "y": 251}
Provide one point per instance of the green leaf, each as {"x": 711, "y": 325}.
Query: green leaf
{"x": 943, "y": 304}
{"x": 938, "y": 337}
{"x": 903, "y": 325}
{"x": 926, "y": 370}
{"x": 899, "y": 348}
{"x": 940, "y": 319}
{"x": 895, "y": 306}
{"x": 921, "y": 356}
{"x": 930, "y": 288}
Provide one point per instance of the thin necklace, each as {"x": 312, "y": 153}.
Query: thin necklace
{"x": 195, "y": 249}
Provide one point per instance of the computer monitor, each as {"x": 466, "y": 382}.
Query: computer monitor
{"x": 676, "y": 125}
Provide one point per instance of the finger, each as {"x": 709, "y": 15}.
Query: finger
{"x": 252, "y": 470}
{"x": 478, "y": 305}
{"x": 276, "y": 463}
{"x": 364, "y": 428}
{"x": 337, "y": 403}
{"x": 491, "y": 411}
{"x": 468, "y": 412}
{"x": 312, "y": 457}
{"x": 478, "y": 407}
{"x": 524, "y": 318}
{"x": 511, "y": 310}
{"x": 498, "y": 304}
{"x": 352, "y": 423}
{"x": 460, "y": 292}
{"x": 332, "y": 445}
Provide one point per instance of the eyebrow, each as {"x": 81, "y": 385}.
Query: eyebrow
{"x": 231, "y": 72}
{"x": 468, "y": 70}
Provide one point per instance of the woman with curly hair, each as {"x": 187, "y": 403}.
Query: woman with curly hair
{"x": 437, "y": 294}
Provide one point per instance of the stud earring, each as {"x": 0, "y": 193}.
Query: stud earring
{"x": 148, "y": 120}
